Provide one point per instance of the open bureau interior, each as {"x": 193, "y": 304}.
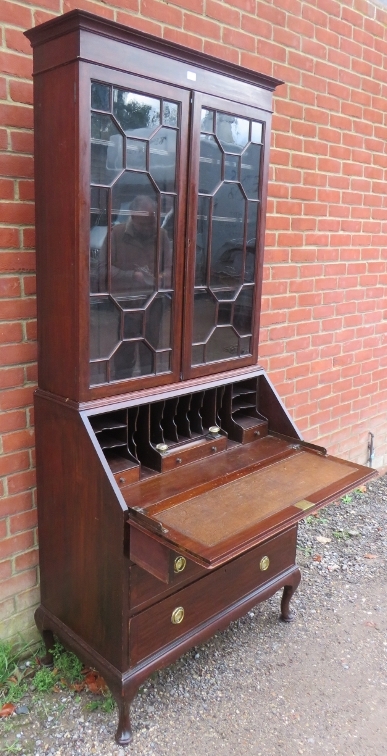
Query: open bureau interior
{"x": 170, "y": 477}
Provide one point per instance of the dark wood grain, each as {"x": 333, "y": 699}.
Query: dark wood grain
{"x": 208, "y": 596}
{"x": 81, "y": 533}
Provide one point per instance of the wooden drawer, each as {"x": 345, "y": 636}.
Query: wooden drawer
{"x": 145, "y": 589}
{"x": 154, "y": 627}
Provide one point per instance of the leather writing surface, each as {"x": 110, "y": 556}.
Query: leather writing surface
{"x": 215, "y": 516}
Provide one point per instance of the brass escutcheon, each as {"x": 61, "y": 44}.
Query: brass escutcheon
{"x": 179, "y": 564}
{"x": 177, "y": 615}
{"x": 264, "y": 563}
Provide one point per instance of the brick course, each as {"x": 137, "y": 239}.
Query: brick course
{"x": 324, "y": 318}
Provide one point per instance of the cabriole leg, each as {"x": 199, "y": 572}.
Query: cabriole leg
{"x": 287, "y": 595}
{"x": 123, "y": 700}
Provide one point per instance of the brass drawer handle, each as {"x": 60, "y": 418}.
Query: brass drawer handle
{"x": 264, "y": 563}
{"x": 179, "y": 564}
{"x": 177, "y": 615}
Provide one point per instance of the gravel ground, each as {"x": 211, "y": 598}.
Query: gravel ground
{"x": 262, "y": 687}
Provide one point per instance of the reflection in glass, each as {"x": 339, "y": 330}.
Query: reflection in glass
{"x": 167, "y": 215}
{"x": 224, "y": 295}
{"x": 106, "y": 149}
{"x": 231, "y": 168}
{"x": 225, "y": 313}
{"x": 129, "y": 186}
{"x": 250, "y": 170}
{"x": 105, "y": 320}
{"x": 136, "y": 154}
{"x": 251, "y": 244}
{"x": 138, "y": 114}
{"x": 204, "y": 315}
{"x": 232, "y": 132}
{"x": 256, "y": 132}
{"x": 134, "y": 248}
{"x": 158, "y": 322}
{"x": 133, "y": 324}
{"x": 131, "y": 358}
{"x": 207, "y": 121}
{"x": 197, "y": 354}
{"x": 203, "y": 218}
{"x": 243, "y": 311}
{"x": 163, "y": 362}
{"x": 227, "y": 236}
{"x": 98, "y": 233}
{"x": 170, "y": 113}
{"x": 245, "y": 345}
{"x": 100, "y": 96}
{"x": 97, "y": 373}
{"x": 222, "y": 345}
{"x": 162, "y": 159}
{"x": 210, "y": 168}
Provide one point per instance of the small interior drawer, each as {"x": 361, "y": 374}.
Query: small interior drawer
{"x": 145, "y": 589}
{"x": 187, "y": 608}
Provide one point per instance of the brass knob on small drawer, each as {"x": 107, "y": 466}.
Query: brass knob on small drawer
{"x": 264, "y": 563}
{"x": 177, "y": 615}
{"x": 179, "y": 564}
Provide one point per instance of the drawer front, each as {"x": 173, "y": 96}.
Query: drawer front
{"x": 179, "y": 613}
{"x": 146, "y": 589}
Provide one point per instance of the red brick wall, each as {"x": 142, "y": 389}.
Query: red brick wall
{"x": 324, "y": 329}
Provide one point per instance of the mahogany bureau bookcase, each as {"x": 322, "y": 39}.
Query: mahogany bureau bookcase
{"x": 170, "y": 476}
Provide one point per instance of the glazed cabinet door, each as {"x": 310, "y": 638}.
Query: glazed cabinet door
{"x": 136, "y": 158}
{"x": 228, "y": 178}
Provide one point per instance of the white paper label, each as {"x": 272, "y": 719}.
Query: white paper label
{"x": 191, "y": 75}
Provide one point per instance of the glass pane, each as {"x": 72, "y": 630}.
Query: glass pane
{"x": 123, "y": 362}
{"x": 162, "y": 159}
{"x": 252, "y": 210}
{"x": 146, "y": 360}
{"x": 105, "y": 321}
{"x": 106, "y": 149}
{"x": 232, "y": 132}
{"x": 168, "y": 216}
{"x": 210, "y": 168}
{"x": 197, "y": 354}
{"x": 138, "y": 114}
{"x": 133, "y": 324}
{"x": 98, "y": 234}
{"x": 127, "y": 188}
{"x": 207, "y": 121}
{"x": 136, "y": 154}
{"x": 222, "y": 345}
{"x": 163, "y": 362}
{"x": 100, "y": 96}
{"x": 245, "y": 346}
{"x": 231, "y": 168}
{"x": 250, "y": 170}
{"x": 170, "y": 113}
{"x": 158, "y": 322}
{"x": 97, "y": 373}
{"x": 225, "y": 313}
{"x": 204, "y": 315}
{"x": 227, "y": 237}
{"x": 134, "y": 242}
{"x": 224, "y": 294}
{"x": 256, "y": 132}
{"x": 202, "y": 227}
{"x": 243, "y": 311}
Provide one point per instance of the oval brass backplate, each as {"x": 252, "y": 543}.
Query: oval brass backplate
{"x": 177, "y": 615}
{"x": 264, "y": 563}
{"x": 179, "y": 564}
